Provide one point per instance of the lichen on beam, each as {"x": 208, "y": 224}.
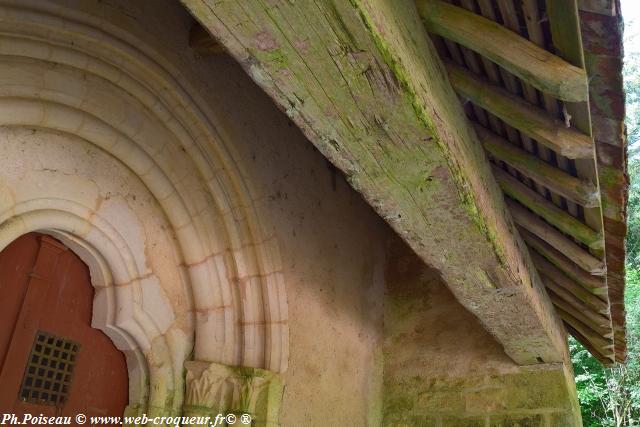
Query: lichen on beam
{"x": 534, "y": 65}
{"x": 518, "y": 113}
{"x": 364, "y": 83}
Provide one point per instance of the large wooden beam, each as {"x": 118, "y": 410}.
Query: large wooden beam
{"x": 536, "y": 226}
{"x": 364, "y": 83}
{"x": 582, "y": 192}
{"x": 547, "y": 210}
{"x": 527, "y": 118}
{"x": 534, "y": 65}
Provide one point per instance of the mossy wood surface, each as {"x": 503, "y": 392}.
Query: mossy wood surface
{"x": 364, "y": 83}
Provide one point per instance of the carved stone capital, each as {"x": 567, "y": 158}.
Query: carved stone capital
{"x": 212, "y": 388}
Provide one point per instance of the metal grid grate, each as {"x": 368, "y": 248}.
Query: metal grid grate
{"x": 48, "y": 374}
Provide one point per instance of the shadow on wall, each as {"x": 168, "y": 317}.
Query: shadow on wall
{"x": 427, "y": 331}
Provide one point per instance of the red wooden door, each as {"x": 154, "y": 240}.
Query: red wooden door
{"x": 52, "y": 361}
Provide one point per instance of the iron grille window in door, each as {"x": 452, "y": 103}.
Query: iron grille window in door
{"x": 47, "y": 377}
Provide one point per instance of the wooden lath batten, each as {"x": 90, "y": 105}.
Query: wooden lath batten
{"x": 519, "y": 69}
{"x": 524, "y": 59}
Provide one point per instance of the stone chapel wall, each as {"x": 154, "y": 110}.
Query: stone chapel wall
{"x": 374, "y": 335}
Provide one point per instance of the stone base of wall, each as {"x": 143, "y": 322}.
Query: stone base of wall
{"x": 535, "y": 397}
{"x": 513, "y": 420}
{"x": 443, "y": 369}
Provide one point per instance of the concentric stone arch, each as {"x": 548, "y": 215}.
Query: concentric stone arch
{"x": 158, "y": 210}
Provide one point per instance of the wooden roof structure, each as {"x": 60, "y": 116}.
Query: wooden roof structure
{"x": 374, "y": 85}
{"x": 541, "y": 82}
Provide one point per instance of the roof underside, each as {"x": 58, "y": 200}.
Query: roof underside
{"x": 364, "y": 83}
{"x": 568, "y": 201}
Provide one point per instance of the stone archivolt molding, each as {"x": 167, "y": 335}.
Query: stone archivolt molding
{"x": 105, "y": 146}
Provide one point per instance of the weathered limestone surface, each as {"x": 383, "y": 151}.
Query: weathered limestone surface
{"x": 364, "y": 84}
{"x": 442, "y": 369}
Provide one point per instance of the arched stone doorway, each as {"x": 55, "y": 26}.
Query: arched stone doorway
{"x": 52, "y": 361}
{"x": 106, "y": 147}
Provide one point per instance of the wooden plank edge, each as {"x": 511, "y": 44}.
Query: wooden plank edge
{"x": 521, "y": 115}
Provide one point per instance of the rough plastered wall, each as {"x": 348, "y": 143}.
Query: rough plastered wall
{"x": 442, "y": 368}
{"x": 332, "y": 246}
{"x": 331, "y": 242}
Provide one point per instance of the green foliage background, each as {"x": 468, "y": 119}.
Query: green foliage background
{"x": 611, "y": 397}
